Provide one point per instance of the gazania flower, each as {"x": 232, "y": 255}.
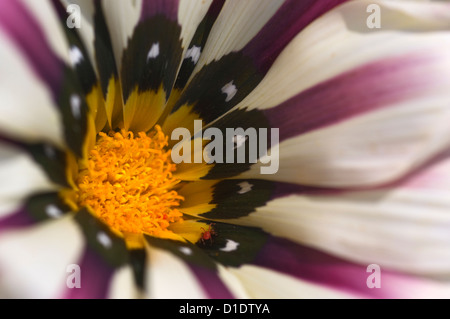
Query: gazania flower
{"x": 93, "y": 206}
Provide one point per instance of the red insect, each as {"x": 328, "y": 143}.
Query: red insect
{"x": 207, "y": 235}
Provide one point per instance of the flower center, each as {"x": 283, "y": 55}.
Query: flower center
{"x": 128, "y": 182}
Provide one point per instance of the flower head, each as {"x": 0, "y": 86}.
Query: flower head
{"x": 346, "y": 101}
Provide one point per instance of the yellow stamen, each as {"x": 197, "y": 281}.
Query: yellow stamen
{"x": 128, "y": 182}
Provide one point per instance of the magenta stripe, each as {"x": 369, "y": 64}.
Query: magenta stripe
{"x": 211, "y": 283}
{"x": 367, "y": 88}
{"x": 286, "y": 189}
{"x": 292, "y": 17}
{"x": 18, "y": 219}
{"x": 322, "y": 269}
{"x": 215, "y": 8}
{"x": 168, "y": 8}
{"x": 426, "y": 176}
{"x": 25, "y": 32}
{"x": 95, "y": 277}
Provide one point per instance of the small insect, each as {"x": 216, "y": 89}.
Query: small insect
{"x": 207, "y": 235}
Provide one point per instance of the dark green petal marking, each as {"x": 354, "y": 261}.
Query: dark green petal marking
{"x": 238, "y": 119}
{"x": 74, "y": 111}
{"x": 46, "y": 206}
{"x": 152, "y": 57}
{"x": 198, "y": 43}
{"x": 238, "y": 198}
{"x": 52, "y": 161}
{"x": 186, "y": 251}
{"x": 102, "y": 240}
{"x": 233, "y": 245}
{"x": 208, "y": 89}
{"x": 138, "y": 259}
{"x": 104, "y": 55}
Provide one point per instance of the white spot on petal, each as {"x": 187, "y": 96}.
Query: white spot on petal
{"x": 53, "y": 211}
{"x": 194, "y": 54}
{"x": 245, "y": 187}
{"x": 154, "y": 51}
{"x": 75, "y": 106}
{"x": 104, "y": 240}
{"x": 230, "y": 246}
{"x": 49, "y": 151}
{"x": 76, "y": 56}
{"x": 186, "y": 250}
{"x": 230, "y": 90}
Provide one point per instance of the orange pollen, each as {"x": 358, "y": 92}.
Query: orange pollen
{"x": 128, "y": 182}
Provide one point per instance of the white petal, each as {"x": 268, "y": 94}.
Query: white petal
{"x": 169, "y": 278}
{"x": 233, "y": 283}
{"x": 238, "y": 22}
{"x": 340, "y": 41}
{"x": 190, "y": 14}
{"x": 33, "y": 262}
{"x": 262, "y": 283}
{"x": 122, "y": 285}
{"x": 45, "y": 15}
{"x": 370, "y": 149}
{"x": 86, "y": 31}
{"x": 27, "y": 110}
{"x": 403, "y": 229}
{"x": 20, "y": 175}
{"x": 121, "y": 17}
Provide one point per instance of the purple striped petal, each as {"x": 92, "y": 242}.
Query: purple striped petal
{"x": 319, "y": 268}
{"x": 292, "y": 17}
{"x": 286, "y": 189}
{"x": 167, "y": 8}
{"x": 17, "y": 219}
{"x": 25, "y": 32}
{"x": 37, "y": 208}
{"x": 244, "y": 70}
{"x": 211, "y": 283}
{"x": 367, "y": 88}
{"x": 199, "y": 263}
{"x": 95, "y": 278}
{"x": 433, "y": 175}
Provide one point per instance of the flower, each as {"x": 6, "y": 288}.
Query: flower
{"x": 92, "y": 206}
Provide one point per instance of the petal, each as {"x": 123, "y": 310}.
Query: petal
{"x": 32, "y": 116}
{"x": 236, "y": 25}
{"x": 122, "y": 285}
{"x": 371, "y": 149}
{"x": 181, "y": 270}
{"x": 228, "y": 199}
{"x": 331, "y": 45}
{"x": 121, "y": 18}
{"x": 37, "y": 208}
{"x": 195, "y": 48}
{"x": 20, "y": 175}
{"x": 261, "y": 283}
{"x": 33, "y": 262}
{"x": 110, "y": 248}
{"x": 95, "y": 278}
{"x": 168, "y": 277}
{"x": 242, "y": 248}
{"x": 22, "y": 28}
{"x": 86, "y": 31}
{"x": 406, "y": 66}
{"x": 48, "y": 21}
{"x": 148, "y": 61}
{"x": 402, "y": 229}
{"x": 241, "y": 48}
{"x": 82, "y": 64}
{"x": 330, "y": 272}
